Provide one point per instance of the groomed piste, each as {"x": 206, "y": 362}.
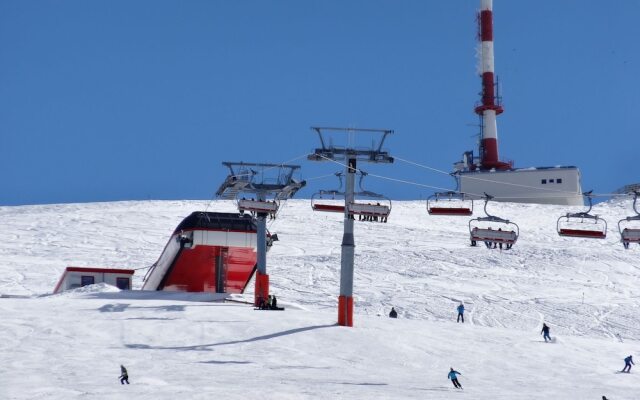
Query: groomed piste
{"x": 70, "y": 346}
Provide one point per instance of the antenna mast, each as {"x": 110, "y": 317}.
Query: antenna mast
{"x": 490, "y": 106}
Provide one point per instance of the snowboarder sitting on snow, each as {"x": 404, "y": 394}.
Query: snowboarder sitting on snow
{"x": 545, "y": 332}
{"x": 269, "y": 302}
{"x": 627, "y": 364}
{"x": 124, "y": 376}
{"x": 461, "y": 313}
{"x": 453, "y": 375}
{"x": 393, "y": 313}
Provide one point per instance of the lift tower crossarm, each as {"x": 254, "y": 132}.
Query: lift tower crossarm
{"x": 335, "y": 153}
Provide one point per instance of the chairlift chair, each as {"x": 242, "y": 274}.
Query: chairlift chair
{"x": 271, "y": 237}
{"x": 493, "y": 229}
{"x": 630, "y": 233}
{"x": 449, "y": 203}
{"x": 328, "y": 201}
{"x": 582, "y": 224}
{"x": 371, "y": 210}
{"x": 369, "y": 205}
{"x": 257, "y": 206}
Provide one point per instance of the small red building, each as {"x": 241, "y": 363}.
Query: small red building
{"x": 75, "y": 277}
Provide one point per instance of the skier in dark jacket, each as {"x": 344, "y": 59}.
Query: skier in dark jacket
{"x": 627, "y": 364}
{"x": 545, "y": 332}
{"x": 393, "y": 313}
{"x": 124, "y": 376}
{"x": 453, "y": 375}
{"x": 460, "y": 313}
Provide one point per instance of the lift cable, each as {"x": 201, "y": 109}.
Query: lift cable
{"x": 560, "y": 192}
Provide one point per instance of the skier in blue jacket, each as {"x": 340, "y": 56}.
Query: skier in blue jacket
{"x": 453, "y": 375}
{"x": 461, "y": 313}
{"x": 545, "y": 332}
{"x": 627, "y": 364}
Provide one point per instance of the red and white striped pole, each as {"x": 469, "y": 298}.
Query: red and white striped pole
{"x": 489, "y": 108}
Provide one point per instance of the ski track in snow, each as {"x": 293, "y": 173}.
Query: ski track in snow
{"x": 586, "y": 290}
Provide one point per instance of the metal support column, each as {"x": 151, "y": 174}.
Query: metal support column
{"x": 221, "y": 259}
{"x": 345, "y": 301}
{"x": 262, "y": 279}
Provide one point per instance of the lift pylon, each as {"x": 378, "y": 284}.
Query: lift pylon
{"x": 258, "y": 188}
{"x": 350, "y": 155}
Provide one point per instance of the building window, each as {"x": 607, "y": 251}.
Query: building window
{"x": 87, "y": 280}
{"x": 122, "y": 283}
{"x": 544, "y": 181}
{"x": 559, "y": 180}
{"x": 550, "y": 180}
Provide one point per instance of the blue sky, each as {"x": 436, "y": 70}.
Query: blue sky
{"x": 125, "y": 100}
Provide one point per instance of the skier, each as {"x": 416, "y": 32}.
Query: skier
{"x": 461, "y": 313}
{"x": 124, "y": 376}
{"x": 545, "y": 332}
{"x": 393, "y": 313}
{"x": 453, "y": 375}
{"x": 627, "y": 364}
{"x": 274, "y": 302}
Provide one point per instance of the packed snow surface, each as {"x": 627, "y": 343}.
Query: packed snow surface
{"x": 189, "y": 346}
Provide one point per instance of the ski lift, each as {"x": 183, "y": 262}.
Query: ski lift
{"x": 380, "y": 210}
{"x": 449, "y": 203}
{"x": 582, "y": 224}
{"x": 630, "y": 234}
{"x": 328, "y": 201}
{"x": 492, "y": 229}
{"x": 369, "y": 206}
{"x": 257, "y": 206}
{"x": 271, "y": 237}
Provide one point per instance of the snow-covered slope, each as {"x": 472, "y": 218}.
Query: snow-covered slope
{"x": 71, "y": 345}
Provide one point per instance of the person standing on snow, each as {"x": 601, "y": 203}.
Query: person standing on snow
{"x": 453, "y": 375}
{"x": 393, "y": 313}
{"x": 545, "y": 332}
{"x": 124, "y": 376}
{"x": 460, "y": 313}
{"x": 627, "y": 364}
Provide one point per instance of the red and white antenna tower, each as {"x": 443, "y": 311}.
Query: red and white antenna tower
{"x": 490, "y": 106}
